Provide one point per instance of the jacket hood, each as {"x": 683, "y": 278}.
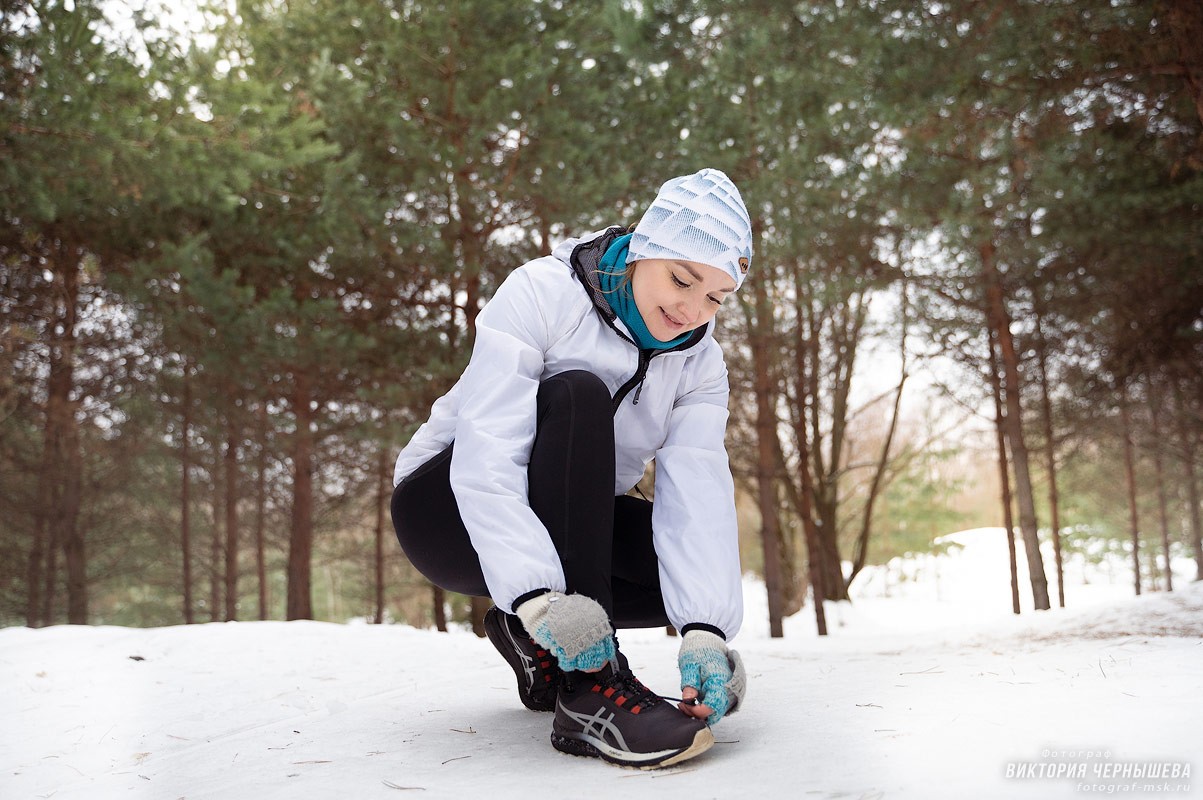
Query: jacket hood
{"x": 583, "y": 256}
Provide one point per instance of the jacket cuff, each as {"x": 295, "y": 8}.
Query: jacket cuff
{"x": 701, "y": 626}
{"x": 522, "y": 598}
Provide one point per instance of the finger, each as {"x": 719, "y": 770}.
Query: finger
{"x": 688, "y": 693}
{"x": 697, "y": 712}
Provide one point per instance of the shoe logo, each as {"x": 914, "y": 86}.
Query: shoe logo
{"x": 598, "y": 725}
{"x": 528, "y": 663}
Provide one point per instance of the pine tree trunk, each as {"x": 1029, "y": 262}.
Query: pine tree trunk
{"x": 186, "y": 491}
{"x": 74, "y": 556}
{"x": 439, "y": 600}
{"x": 215, "y": 538}
{"x": 479, "y": 606}
{"x": 60, "y": 483}
{"x": 822, "y": 548}
{"x": 381, "y": 498}
{"x": 1159, "y": 477}
{"x": 50, "y": 584}
{"x": 766, "y": 437}
{"x": 818, "y": 588}
{"x": 300, "y": 543}
{"x": 1186, "y": 435}
{"x": 261, "y": 511}
{"x": 806, "y": 358}
{"x": 1050, "y": 454}
{"x": 231, "y": 496}
{"x": 53, "y": 493}
{"x": 1004, "y": 469}
{"x": 998, "y": 318}
{"x": 827, "y": 493}
{"x": 1130, "y": 475}
{"x": 36, "y": 568}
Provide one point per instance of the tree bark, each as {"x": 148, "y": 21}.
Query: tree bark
{"x": 74, "y": 555}
{"x": 806, "y": 358}
{"x": 817, "y": 588}
{"x": 261, "y": 511}
{"x": 382, "y": 497}
{"x": 766, "y": 435}
{"x": 1159, "y": 478}
{"x": 998, "y": 318}
{"x": 846, "y": 322}
{"x": 50, "y": 582}
{"x": 1004, "y": 469}
{"x": 231, "y": 522}
{"x": 1186, "y": 435}
{"x": 60, "y": 483}
{"x": 1050, "y": 455}
{"x": 479, "y": 606}
{"x": 1130, "y": 475}
{"x": 216, "y": 562}
{"x": 186, "y": 491}
{"x": 36, "y": 569}
{"x": 300, "y": 543}
{"x": 439, "y": 600}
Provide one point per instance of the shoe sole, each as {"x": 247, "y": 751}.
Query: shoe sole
{"x": 586, "y": 746}
{"x": 501, "y": 641}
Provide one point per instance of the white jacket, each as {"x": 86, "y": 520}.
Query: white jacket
{"x": 543, "y": 321}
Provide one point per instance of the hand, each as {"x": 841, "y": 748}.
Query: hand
{"x": 712, "y": 673}
{"x": 574, "y": 628}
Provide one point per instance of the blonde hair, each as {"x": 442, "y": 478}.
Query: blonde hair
{"x": 628, "y": 274}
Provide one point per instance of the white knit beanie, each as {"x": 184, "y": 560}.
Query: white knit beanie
{"x": 699, "y": 217}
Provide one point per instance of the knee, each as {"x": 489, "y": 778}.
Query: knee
{"x": 577, "y": 388}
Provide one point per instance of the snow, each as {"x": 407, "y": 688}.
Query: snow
{"x": 927, "y": 687}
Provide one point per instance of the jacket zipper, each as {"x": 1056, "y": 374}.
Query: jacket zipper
{"x": 645, "y": 358}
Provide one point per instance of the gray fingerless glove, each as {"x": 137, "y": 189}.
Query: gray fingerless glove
{"x": 716, "y": 672}
{"x": 574, "y": 628}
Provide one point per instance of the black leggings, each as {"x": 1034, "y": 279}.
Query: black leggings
{"x": 604, "y": 542}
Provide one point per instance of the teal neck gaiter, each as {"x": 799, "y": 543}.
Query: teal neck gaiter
{"x": 610, "y": 271}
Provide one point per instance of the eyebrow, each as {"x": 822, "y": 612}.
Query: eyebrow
{"x": 685, "y": 266}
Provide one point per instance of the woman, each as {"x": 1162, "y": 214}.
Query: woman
{"x": 588, "y": 364}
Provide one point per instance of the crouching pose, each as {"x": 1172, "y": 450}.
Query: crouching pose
{"x": 588, "y": 364}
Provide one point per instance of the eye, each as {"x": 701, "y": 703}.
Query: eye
{"x": 716, "y": 301}
{"x": 678, "y": 281}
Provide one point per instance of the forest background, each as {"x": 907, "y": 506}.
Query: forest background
{"x": 242, "y": 249}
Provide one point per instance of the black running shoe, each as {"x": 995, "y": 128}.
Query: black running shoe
{"x": 536, "y": 669}
{"x": 611, "y": 715}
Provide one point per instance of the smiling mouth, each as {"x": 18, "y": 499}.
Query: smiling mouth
{"x": 671, "y": 322}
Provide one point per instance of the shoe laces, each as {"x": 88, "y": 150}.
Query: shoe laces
{"x": 633, "y": 694}
{"x": 548, "y": 668}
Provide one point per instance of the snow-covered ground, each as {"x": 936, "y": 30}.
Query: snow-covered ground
{"x": 926, "y": 688}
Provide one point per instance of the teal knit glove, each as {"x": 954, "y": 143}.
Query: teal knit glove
{"x": 574, "y": 628}
{"x": 716, "y": 672}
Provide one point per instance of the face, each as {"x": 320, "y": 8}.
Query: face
{"x": 675, "y": 297}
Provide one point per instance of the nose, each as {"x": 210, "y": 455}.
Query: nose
{"x": 689, "y": 312}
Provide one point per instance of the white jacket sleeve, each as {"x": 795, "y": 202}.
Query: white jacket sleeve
{"x": 694, "y": 526}
{"x": 493, "y": 436}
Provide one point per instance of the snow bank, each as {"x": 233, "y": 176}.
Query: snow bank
{"x": 927, "y": 693}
